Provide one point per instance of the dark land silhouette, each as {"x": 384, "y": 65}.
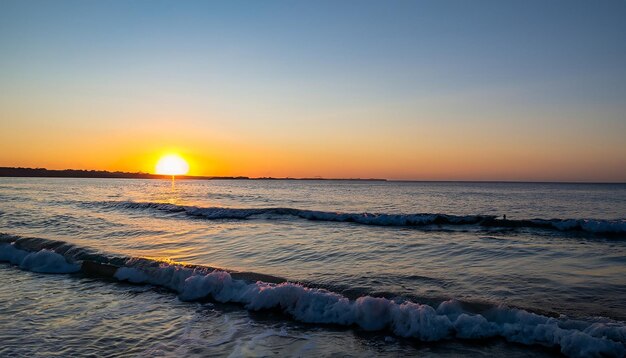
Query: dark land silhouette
{"x": 75, "y": 173}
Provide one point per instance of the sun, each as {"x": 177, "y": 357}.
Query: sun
{"x": 172, "y": 164}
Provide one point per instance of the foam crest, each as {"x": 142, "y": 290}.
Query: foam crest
{"x": 609, "y": 227}
{"x": 44, "y": 261}
{"x": 405, "y": 319}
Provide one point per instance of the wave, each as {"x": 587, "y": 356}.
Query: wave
{"x": 594, "y": 226}
{"x": 450, "y": 319}
{"x": 44, "y": 261}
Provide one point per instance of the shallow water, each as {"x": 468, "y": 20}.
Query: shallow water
{"x": 56, "y": 315}
{"x": 577, "y": 270}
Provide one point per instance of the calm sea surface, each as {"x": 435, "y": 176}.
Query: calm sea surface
{"x": 559, "y": 259}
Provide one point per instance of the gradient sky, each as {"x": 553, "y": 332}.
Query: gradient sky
{"x": 427, "y": 90}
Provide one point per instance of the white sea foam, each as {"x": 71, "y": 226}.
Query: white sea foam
{"x": 9, "y": 253}
{"x": 384, "y": 219}
{"x": 406, "y": 319}
{"x": 595, "y": 226}
{"x": 44, "y": 261}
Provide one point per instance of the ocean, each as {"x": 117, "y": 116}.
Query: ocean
{"x": 125, "y": 267}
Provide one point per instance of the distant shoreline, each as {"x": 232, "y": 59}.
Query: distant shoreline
{"x": 18, "y": 172}
{"x": 103, "y": 174}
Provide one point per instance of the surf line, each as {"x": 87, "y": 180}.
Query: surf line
{"x": 312, "y": 305}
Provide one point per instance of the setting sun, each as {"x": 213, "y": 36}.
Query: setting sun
{"x": 172, "y": 164}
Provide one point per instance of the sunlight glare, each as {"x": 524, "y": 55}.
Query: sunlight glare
{"x": 172, "y": 164}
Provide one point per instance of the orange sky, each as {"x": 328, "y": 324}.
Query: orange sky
{"x": 420, "y": 139}
{"x": 415, "y": 151}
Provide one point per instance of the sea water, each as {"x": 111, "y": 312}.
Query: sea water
{"x": 309, "y": 268}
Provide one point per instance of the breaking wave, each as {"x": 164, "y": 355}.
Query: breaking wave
{"x": 450, "y": 319}
{"x": 595, "y": 226}
{"x": 44, "y": 261}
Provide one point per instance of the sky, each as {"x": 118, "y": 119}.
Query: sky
{"x": 408, "y": 90}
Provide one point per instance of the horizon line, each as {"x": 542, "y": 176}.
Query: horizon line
{"x": 142, "y": 175}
